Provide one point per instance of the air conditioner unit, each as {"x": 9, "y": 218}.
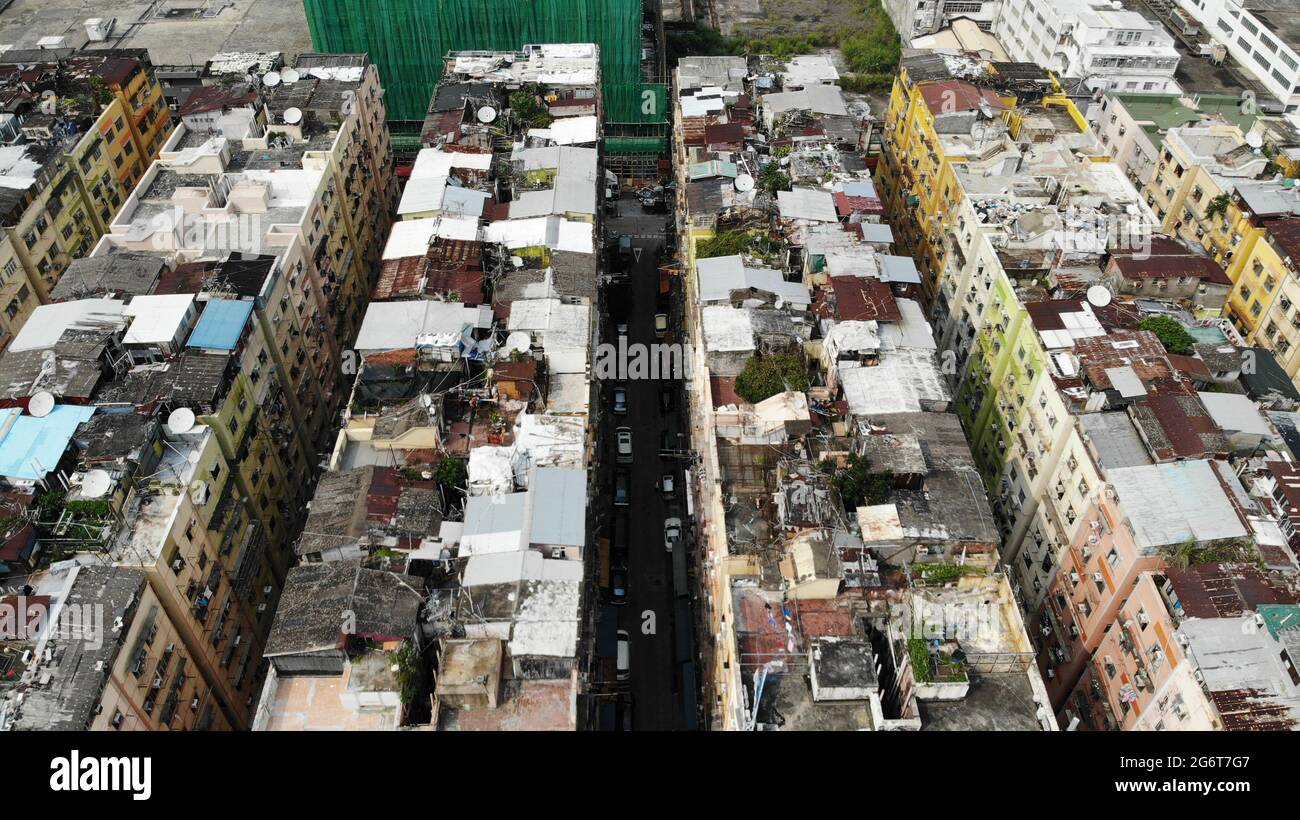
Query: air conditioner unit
{"x": 1099, "y": 578}
{"x": 1143, "y": 618}
{"x": 1074, "y": 577}
{"x": 1183, "y": 639}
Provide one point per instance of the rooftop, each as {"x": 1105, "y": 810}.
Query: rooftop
{"x": 384, "y": 607}
{"x": 1169, "y": 504}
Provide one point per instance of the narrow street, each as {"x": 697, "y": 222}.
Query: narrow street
{"x": 655, "y": 684}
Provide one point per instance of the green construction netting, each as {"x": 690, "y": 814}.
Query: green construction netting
{"x": 635, "y": 145}
{"x": 408, "y": 39}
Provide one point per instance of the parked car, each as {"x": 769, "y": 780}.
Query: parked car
{"x": 625, "y": 246}
{"x": 667, "y": 485}
{"x": 672, "y": 533}
{"x": 661, "y": 325}
{"x": 623, "y": 436}
{"x": 618, "y": 586}
{"x": 622, "y": 489}
{"x": 624, "y": 655}
{"x": 620, "y": 400}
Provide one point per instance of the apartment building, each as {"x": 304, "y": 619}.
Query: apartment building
{"x": 918, "y": 18}
{"x": 200, "y": 355}
{"x": 1262, "y": 36}
{"x": 794, "y": 573}
{"x": 1105, "y": 46}
{"x": 476, "y": 362}
{"x": 311, "y": 190}
{"x": 1132, "y": 127}
{"x": 1179, "y": 653}
{"x": 71, "y": 156}
{"x": 1100, "y": 443}
{"x": 1198, "y": 169}
{"x": 1125, "y": 536}
{"x": 1263, "y": 219}
{"x": 108, "y": 619}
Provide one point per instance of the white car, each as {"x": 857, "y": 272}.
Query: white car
{"x": 667, "y": 485}
{"x": 672, "y": 533}
{"x": 624, "y": 656}
{"x": 623, "y": 436}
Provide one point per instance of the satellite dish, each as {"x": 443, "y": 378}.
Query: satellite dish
{"x": 271, "y": 79}
{"x": 292, "y": 116}
{"x": 96, "y": 484}
{"x": 426, "y": 401}
{"x": 41, "y": 404}
{"x": 180, "y": 421}
{"x": 1254, "y": 140}
{"x": 290, "y": 75}
{"x": 486, "y": 114}
{"x": 1099, "y": 296}
{"x": 518, "y": 341}
{"x": 744, "y": 183}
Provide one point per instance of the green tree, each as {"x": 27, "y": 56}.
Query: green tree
{"x": 857, "y": 485}
{"x": 773, "y": 179}
{"x": 765, "y": 376}
{"x": 529, "y": 111}
{"x": 1172, "y": 335}
{"x": 452, "y": 474}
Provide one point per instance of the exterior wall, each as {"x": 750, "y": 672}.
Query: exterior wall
{"x": 196, "y": 563}
{"x": 1264, "y": 300}
{"x": 1087, "y": 595}
{"x": 1128, "y": 143}
{"x": 153, "y": 652}
{"x": 1136, "y": 661}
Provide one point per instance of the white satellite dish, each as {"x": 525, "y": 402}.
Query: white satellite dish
{"x": 486, "y": 114}
{"x": 1099, "y": 296}
{"x": 181, "y": 420}
{"x": 744, "y": 183}
{"x": 518, "y": 341}
{"x": 41, "y": 404}
{"x": 1254, "y": 140}
{"x": 96, "y": 484}
{"x": 290, "y": 75}
{"x": 271, "y": 79}
{"x": 292, "y": 116}
{"x": 426, "y": 401}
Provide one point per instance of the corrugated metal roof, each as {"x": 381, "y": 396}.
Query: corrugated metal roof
{"x": 221, "y": 324}
{"x": 559, "y": 507}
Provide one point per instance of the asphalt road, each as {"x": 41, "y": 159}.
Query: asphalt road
{"x": 654, "y": 684}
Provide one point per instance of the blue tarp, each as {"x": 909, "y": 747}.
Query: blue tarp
{"x": 221, "y": 324}
{"x": 31, "y": 447}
